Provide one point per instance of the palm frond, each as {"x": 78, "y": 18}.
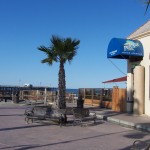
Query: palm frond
{"x": 61, "y": 49}
{"x": 57, "y": 44}
{"x": 51, "y": 57}
{"x": 148, "y": 3}
{"x": 70, "y": 48}
{"x": 47, "y": 60}
{"x": 44, "y": 49}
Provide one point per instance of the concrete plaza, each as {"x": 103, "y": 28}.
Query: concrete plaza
{"x": 15, "y": 134}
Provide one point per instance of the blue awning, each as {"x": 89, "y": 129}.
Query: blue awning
{"x": 125, "y": 49}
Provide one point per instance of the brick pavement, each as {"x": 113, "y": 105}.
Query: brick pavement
{"x": 15, "y": 134}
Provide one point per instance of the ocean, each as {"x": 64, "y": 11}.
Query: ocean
{"x": 74, "y": 91}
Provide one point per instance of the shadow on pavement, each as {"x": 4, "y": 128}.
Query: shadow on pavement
{"x": 12, "y": 115}
{"x": 23, "y": 127}
{"x": 138, "y": 135}
{"x": 27, "y": 147}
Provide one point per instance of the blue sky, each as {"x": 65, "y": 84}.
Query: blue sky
{"x": 27, "y": 24}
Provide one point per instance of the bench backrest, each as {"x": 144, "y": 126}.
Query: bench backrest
{"x": 47, "y": 111}
{"x": 42, "y": 111}
{"x": 138, "y": 144}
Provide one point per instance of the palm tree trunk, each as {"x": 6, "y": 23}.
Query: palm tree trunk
{"x": 61, "y": 87}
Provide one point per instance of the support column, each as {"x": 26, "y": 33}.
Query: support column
{"x": 139, "y": 90}
{"x": 130, "y": 93}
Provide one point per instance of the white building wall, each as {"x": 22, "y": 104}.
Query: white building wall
{"x": 146, "y": 63}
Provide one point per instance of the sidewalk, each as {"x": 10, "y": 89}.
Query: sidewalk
{"x": 137, "y": 122}
{"x": 11, "y": 103}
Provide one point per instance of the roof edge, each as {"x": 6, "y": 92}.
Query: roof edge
{"x": 142, "y": 35}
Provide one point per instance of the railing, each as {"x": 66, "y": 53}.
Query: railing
{"x": 96, "y": 96}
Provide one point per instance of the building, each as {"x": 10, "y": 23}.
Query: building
{"x": 138, "y": 81}
{"x": 136, "y": 49}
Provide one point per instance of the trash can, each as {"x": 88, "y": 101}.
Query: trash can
{"x": 130, "y": 106}
{"x": 5, "y": 99}
{"x": 80, "y": 102}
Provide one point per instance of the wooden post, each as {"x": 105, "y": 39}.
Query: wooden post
{"x": 37, "y": 96}
{"x": 12, "y": 96}
{"x": 92, "y": 96}
{"x": 84, "y": 93}
{"x": 101, "y": 97}
{"x": 45, "y": 98}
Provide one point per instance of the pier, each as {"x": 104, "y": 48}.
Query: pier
{"x": 32, "y": 94}
{"x": 16, "y": 93}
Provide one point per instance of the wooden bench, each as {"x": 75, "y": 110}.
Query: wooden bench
{"x": 45, "y": 113}
{"x": 81, "y": 115}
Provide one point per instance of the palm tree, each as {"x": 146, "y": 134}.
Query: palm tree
{"x": 61, "y": 50}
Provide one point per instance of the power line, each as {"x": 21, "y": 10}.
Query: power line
{"x": 117, "y": 67}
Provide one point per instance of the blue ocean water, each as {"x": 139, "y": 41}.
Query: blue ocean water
{"x": 74, "y": 91}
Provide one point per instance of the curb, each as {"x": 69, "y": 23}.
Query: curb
{"x": 8, "y": 104}
{"x": 123, "y": 123}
